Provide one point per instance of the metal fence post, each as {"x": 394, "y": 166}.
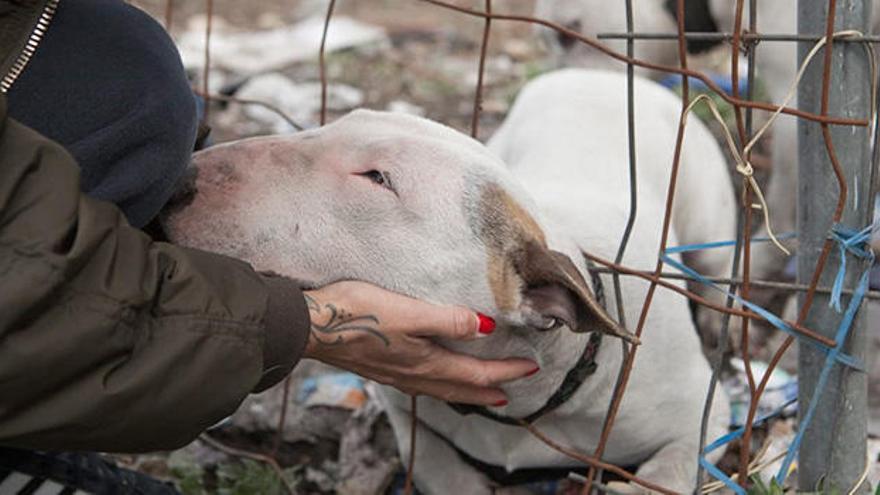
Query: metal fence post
{"x": 834, "y": 446}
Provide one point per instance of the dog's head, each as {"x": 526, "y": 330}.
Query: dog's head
{"x": 404, "y": 203}
{"x": 593, "y": 17}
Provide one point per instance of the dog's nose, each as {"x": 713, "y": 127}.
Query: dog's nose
{"x": 184, "y": 189}
{"x": 566, "y": 41}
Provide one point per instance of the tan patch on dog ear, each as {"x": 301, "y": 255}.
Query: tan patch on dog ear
{"x": 504, "y": 281}
{"x": 502, "y": 224}
{"x": 523, "y": 222}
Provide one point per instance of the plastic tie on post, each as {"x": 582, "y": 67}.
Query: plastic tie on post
{"x": 850, "y": 241}
{"x": 842, "y": 333}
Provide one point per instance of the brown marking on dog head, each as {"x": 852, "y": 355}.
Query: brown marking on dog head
{"x": 503, "y": 225}
{"x": 524, "y": 272}
{"x": 504, "y": 281}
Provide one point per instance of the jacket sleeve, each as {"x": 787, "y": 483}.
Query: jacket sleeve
{"x": 110, "y": 341}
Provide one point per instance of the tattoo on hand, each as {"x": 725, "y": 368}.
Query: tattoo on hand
{"x": 340, "y": 322}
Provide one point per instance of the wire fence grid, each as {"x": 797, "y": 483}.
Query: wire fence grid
{"x": 741, "y": 40}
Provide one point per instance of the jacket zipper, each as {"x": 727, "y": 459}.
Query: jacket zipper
{"x": 31, "y": 46}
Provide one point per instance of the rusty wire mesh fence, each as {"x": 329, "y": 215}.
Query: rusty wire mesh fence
{"x": 744, "y": 41}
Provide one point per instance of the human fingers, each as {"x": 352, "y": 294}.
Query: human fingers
{"x": 454, "y": 392}
{"x": 450, "y": 322}
{"x": 467, "y": 370}
{"x": 415, "y": 317}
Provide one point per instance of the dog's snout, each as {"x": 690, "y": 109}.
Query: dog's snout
{"x": 185, "y": 189}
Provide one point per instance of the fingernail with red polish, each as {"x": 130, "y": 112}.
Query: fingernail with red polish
{"x": 530, "y": 373}
{"x": 487, "y": 324}
{"x": 500, "y": 403}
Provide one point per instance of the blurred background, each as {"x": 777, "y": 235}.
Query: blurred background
{"x": 396, "y": 55}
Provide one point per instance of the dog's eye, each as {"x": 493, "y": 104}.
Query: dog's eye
{"x": 550, "y": 323}
{"x": 375, "y": 176}
{"x": 378, "y": 178}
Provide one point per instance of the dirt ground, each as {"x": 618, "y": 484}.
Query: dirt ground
{"x": 428, "y": 66}
{"x": 432, "y": 61}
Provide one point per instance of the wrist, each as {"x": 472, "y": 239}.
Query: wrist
{"x": 285, "y": 327}
{"x": 337, "y": 319}
{"x": 313, "y": 346}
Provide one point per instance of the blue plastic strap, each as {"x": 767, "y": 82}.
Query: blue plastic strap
{"x": 724, "y": 440}
{"x": 720, "y": 442}
{"x": 848, "y": 241}
{"x": 842, "y": 332}
{"x": 718, "y": 474}
{"x": 774, "y": 320}
{"x": 717, "y": 244}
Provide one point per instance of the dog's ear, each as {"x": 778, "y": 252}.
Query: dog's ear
{"x": 554, "y": 289}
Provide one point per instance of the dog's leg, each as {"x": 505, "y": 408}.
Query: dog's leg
{"x": 438, "y": 468}
{"x": 674, "y": 466}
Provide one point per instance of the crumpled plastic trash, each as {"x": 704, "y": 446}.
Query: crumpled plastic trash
{"x": 300, "y": 101}
{"x": 345, "y": 390}
{"x": 252, "y": 52}
{"x": 781, "y": 389}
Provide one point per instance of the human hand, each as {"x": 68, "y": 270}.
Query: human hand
{"x": 386, "y": 337}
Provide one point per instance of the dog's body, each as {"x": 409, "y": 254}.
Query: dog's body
{"x": 568, "y": 127}
{"x": 457, "y": 228}
{"x": 776, "y": 68}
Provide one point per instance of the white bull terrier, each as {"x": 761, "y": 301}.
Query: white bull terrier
{"x": 416, "y": 207}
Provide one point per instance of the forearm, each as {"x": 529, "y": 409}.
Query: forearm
{"x": 109, "y": 340}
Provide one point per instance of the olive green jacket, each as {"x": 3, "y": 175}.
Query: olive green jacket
{"x": 110, "y": 341}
